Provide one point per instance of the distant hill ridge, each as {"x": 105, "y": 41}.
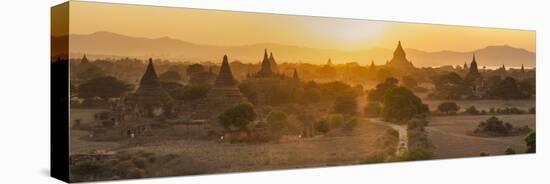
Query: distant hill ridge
{"x": 117, "y": 45}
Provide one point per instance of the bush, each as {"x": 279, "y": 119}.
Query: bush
{"x": 510, "y": 151}
{"x": 388, "y": 142}
{"x": 237, "y": 117}
{"x": 448, "y": 107}
{"x": 417, "y": 123}
{"x": 372, "y": 109}
{"x": 415, "y": 153}
{"x": 322, "y": 126}
{"x": 472, "y": 110}
{"x": 345, "y": 104}
{"x": 277, "y": 122}
{"x": 374, "y": 158}
{"x": 530, "y": 141}
{"x": 350, "y": 125}
{"x": 335, "y": 120}
{"x": 496, "y": 127}
{"x": 510, "y": 110}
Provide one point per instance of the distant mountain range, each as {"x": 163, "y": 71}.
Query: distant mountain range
{"x": 107, "y": 44}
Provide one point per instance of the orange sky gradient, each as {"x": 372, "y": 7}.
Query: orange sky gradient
{"x": 227, "y": 28}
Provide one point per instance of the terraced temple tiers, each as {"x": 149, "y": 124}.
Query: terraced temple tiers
{"x": 223, "y": 95}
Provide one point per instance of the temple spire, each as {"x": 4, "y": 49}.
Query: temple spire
{"x": 150, "y": 91}
{"x": 295, "y": 75}
{"x": 265, "y": 70}
{"x": 329, "y": 62}
{"x": 399, "y": 52}
{"x": 225, "y": 77}
{"x": 84, "y": 59}
{"x": 150, "y": 73}
{"x": 273, "y": 63}
{"x": 473, "y": 65}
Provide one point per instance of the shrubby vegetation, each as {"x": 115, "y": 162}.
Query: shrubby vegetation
{"x": 448, "y": 107}
{"x": 104, "y": 87}
{"x": 279, "y": 92}
{"x": 496, "y": 127}
{"x": 170, "y": 76}
{"x": 388, "y": 142}
{"x": 530, "y": 141}
{"x": 189, "y": 93}
{"x": 509, "y": 151}
{"x": 140, "y": 164}
{"x": 372, "y": 109}
{"x": 451, "y": 86}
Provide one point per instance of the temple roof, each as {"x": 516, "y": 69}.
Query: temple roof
{"x": 225, "y": 77}
{"x": 399, "y": 59}
{"x": 399, "y": 52}
{"x": 84, "y": 59}
{"x": 150, "y": 90}
{"x": 473, "y": 65}
{"x": 295, "y": 75}
{"x": 265, "y": 70}
{"x": 273, "y": 63}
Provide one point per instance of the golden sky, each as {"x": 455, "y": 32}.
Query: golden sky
{"x": 237, "y": 28}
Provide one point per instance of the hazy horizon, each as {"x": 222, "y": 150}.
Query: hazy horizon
{"x": 230, "y": 28}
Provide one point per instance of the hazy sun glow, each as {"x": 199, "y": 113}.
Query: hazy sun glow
{"x": 236, "y": 28}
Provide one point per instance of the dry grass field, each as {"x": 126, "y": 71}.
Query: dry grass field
{"x": 450, "y": 135}
{"x": 203, "y": 157}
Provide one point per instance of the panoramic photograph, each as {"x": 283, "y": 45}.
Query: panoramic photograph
{"x": 158, "y": 91}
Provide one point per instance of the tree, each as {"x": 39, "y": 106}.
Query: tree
{"x": 237, "y": 117}
{"x": 401, "y": 104}
{"x": 194, "y": 69}
{"x": 373, "y": 109}
{"x": 528, "y": 87}
{"x": 169, "y": 86}
{"x": 277, "y": 122}
{"x": 90, "y": 71}
{"x": 190, "y": 92}
{"x": 198, "y": 75}
{"x": 345, "y": 104}
{"x": 170, "y": 76}
{"x": 378, "y": 93}
{"x": 506, "y": 89}
{"x": 448, "y": 107}
{"x": 104, "y": 87}
{"x": 409, "y": 82}
{"x": 450, "y": 86}
{"x": 530, "y": 141}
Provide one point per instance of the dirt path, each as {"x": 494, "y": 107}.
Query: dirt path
{"x": 401, "y": 129}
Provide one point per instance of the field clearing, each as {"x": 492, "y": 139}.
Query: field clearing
{"x": 84, "y": 115}
{"x": 334, "y": 148}
{"x": 484, "y": 104}
{"x": 288, "y": 153}
{"x": 450, "y": 136}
